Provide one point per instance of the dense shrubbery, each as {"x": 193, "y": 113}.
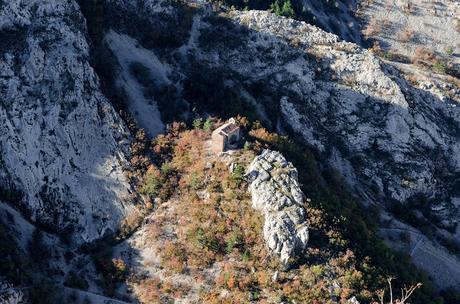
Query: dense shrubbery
{"x": 161, "y": 291}
{"x": 75, "y": 280}
{"x": 113, "y": 270}
{"x": 44, "y": 292}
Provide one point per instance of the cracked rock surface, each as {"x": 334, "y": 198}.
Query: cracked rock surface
{"x": 62, "y": 146}
{"x": 276, "y": 192}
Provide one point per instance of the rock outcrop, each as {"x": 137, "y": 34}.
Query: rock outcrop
{"x": 276, "y": 192}
{"x": 10, "y": 295}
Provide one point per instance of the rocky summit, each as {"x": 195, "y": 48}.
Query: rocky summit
{"x": 275, "y": 192}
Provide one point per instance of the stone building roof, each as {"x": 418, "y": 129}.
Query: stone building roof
{"x": 227, "y": 128}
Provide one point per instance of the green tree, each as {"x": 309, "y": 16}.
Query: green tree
{"x": 287, "y": 9}
{"x": 197, "y": 123}
{"x": 208, "y": 124}
{"x": 283, "y": 8}
{"x": 276, "y": 8}
{"x": 238, "y": 175}
{"x": 152, "y": 184}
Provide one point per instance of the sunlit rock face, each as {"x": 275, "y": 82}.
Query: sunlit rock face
{"x": 276, "y": 193}
{"x": 62, "y": 146}
{"x": 390, "y": 139}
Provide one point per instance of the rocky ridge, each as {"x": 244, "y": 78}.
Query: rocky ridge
{"x": 275, "y": 192}
{"x": 394, "y": 141}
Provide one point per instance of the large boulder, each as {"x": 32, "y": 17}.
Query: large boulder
{"x": 276, "y": 192}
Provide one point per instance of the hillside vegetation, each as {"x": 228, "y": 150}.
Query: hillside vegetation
{"x": 209, "y": 241}
{"x": 96, "y": 206}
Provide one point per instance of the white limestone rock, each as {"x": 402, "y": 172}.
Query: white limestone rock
{"x": 62, "y": 145}
{"x": 276, "y": 192}
{"x": 392, "y": 140}
{"x": 359, "y": 113}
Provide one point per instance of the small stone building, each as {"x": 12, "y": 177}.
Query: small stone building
{"x": 226, "y": 137}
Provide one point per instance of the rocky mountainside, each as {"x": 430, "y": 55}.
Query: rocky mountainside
{"x": 410, "y": 28}
{"x": 79, "y": 77}
{"x": 223, "y": 236}
{"x": 62, "y": 146}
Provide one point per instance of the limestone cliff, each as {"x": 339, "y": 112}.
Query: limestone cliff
{"x": 62, "y": 146}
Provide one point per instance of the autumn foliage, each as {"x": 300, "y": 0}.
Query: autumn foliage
{"x": 213, "y": 235}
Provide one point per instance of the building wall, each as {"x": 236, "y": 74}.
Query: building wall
{"x": 217, "y": 143}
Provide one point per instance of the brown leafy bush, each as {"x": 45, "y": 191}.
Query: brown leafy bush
{"x": 372, "y": 28}
{"x": 155, "y": 290}
{"x": 405, "y": 35}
